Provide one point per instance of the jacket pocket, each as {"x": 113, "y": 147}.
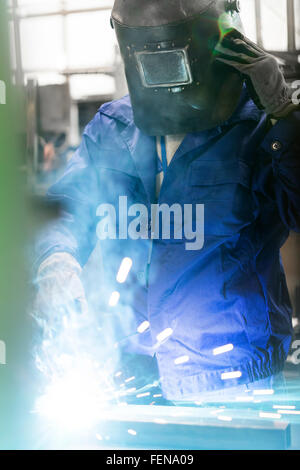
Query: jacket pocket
{"x": 224, "y": 187}
{"x": 220, "y": 173}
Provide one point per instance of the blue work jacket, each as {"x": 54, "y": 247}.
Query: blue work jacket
{"x": 232, "y": 292}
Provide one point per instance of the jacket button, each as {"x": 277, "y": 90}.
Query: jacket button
{"x": 276, "y": 145}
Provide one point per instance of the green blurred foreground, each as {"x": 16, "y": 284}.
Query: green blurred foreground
{"x": 14, "y": 334}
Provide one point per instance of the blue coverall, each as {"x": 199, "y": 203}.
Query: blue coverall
{"x": 246, "y": 172}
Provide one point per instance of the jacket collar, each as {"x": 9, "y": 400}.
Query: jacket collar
{"x": 121, "y": 110}
{"x": 143, "y": 147}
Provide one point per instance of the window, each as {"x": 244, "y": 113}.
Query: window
{"x": 66, "y": 38}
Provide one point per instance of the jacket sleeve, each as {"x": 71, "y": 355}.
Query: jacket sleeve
{"x": 77, "y": 193}
{"x": 277, "y": 173}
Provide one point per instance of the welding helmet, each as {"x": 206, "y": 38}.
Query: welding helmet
{"x": 167, "y": 46}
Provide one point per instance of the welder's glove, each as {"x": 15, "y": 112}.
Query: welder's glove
{"x": 261, "y": 70}
{"x": 60, "y": 290}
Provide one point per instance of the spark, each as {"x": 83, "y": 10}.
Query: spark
{"x": 114, "y": 299}
{"x": 224, "y": 418}
{"x": 141, "y": 395}
{"x": 215, "y": 412}
{"x": 124, "y": 270}
{"x": 231, "y": 375}
{"x": 160, "y": 421}
{"x": 143, "y": 327}
{"x": 165, "y": 334}
{"x": 130, "y": 379}
{"x": 158, "y": 395}
{"x": 118, "y": 374}
{"x": 181, "y": 360}
{"x": 263, "y": 392}
{"x": 132, "y": 432}
{"x": 288, "y": 412}
{"x": 263, "y": 414}
{"x": 223, "y": 349}
{"x": 284, "y": 407}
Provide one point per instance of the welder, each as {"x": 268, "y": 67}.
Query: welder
{"x": 209, "y": 121}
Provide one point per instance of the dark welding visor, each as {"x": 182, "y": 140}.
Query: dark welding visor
{"x": 174, "y": 82}
{"x": 167, "y": 68}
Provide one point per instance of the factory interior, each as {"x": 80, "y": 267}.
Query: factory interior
{"x": 61, "y": 62}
